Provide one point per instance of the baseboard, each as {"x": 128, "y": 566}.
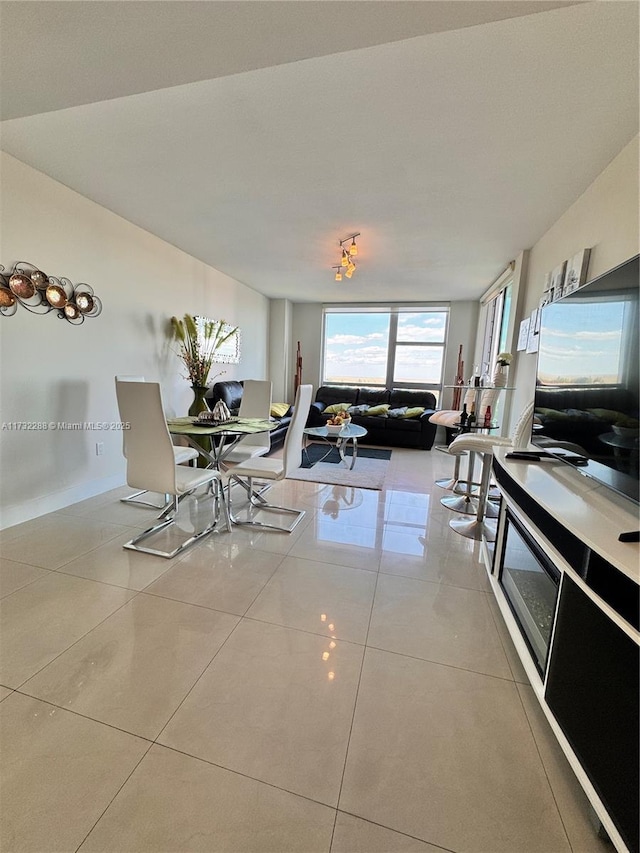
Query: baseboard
{"x": 17, "y": 513}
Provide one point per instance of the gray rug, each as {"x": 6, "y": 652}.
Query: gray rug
{"x": 367, "y": 474}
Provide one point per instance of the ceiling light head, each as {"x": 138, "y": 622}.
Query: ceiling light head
{"x": 346, "y": 266}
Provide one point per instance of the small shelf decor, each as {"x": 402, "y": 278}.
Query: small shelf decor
{"x": 502, "y": 367}
{"x": 27, "y": 285}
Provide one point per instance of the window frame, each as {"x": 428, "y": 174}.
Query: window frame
{"x": 393, "y": 310}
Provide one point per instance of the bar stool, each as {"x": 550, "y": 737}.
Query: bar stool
{"x": 480, "y": 527}
{"x": 448, "y": 418}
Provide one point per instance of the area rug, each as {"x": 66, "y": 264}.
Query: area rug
{"x": 315, "y": 453}
{"x": 368, "y": 473}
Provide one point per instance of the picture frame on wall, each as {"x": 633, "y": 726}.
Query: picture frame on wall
{"x": 557, "y": 281}
{"x": 576, "y": 272}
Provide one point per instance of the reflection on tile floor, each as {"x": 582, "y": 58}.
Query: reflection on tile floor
{"x": 349, "y": 687}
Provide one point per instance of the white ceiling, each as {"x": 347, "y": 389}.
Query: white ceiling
{"x": 255, "y": 135}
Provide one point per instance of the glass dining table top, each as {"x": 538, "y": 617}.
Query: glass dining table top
{"x": 202, "y": 437}
{"x": 242, "y": 426}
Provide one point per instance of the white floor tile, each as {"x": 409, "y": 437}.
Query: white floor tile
{"x": 41, "y": 620}
{"x": 272, "y": 707}
{"x": 447, "y": 756}
{"x": 176, "y": 803}
{"x": 134, "y": 669}
{"x": 334, "y": 601}
{"x": 59, "y": 772}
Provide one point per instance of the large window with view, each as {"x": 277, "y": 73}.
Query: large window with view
{"x": 392, "y": 347}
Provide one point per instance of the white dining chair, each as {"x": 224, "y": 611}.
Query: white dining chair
{"x": 274, "y": 470}
{"x": 256, "y": 403}
{"x": 151, "y": 463}
{"x": 181, "y": 454}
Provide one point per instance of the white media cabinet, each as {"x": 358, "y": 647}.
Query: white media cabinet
{"x": 587, "y": 681}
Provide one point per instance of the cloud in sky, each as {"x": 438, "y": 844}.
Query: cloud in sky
{"x": 362, "y": 355}
{"x": 583, "y": 335}
{"x": 354, "y": 339}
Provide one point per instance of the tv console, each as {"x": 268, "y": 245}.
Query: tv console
{"x": 579, "y": 642}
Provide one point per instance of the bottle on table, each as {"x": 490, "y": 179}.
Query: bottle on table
{"x": 463, "y": 417}
{"x": 471, "y": 420}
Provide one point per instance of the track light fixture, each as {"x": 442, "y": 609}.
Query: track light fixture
{"x": 347, "y": 265}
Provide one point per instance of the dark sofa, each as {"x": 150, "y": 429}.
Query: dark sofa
{"x": 230, "y": 393}
{"x": 581, "y": 414}
{"x": 397, "y": 432}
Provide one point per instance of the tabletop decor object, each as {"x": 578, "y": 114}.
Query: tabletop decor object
{"x": 502, "y": 367}
{"x": 199, "y": 343}
{"x": 221, "y": 411}
{"x": 26, "y": 285}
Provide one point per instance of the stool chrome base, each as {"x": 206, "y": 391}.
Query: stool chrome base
{"x": 452, "y": 484}
{"x": 474, "y": 529}
{"x": 466, "y": 504}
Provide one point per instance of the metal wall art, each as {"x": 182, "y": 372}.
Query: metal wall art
{"x": 40, "y": 293}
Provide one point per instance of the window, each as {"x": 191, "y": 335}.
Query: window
{"x": 392, "y": 347}
{"x": 498, "y": 309}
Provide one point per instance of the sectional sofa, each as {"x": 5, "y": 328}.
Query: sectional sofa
{"x": 391, "y": 421}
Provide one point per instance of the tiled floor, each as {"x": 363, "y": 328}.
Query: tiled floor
{"x": 348, "y": 687}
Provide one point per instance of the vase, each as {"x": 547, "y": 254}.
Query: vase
{"x": 500, "y": 375}
{"x": 199, "y": 404}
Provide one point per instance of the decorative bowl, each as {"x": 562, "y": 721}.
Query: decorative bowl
{"x": 334, "y": 429}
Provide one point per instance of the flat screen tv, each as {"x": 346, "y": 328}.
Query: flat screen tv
{"x": 587, "y": 383}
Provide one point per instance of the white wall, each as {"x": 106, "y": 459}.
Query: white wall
{"x": 307, "y": 328}
{"x": 604, "y": 219}
{"x": 463, "y": 329}
{"x": 53, "y": 371}
{"x": 280, "y": 346}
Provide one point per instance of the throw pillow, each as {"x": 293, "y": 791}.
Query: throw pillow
{"x": 279, "y": 410}
{"x": 413, "y": 412}
{"x": 398, "y": 413}
{"x": 335, "y": 408}
{"x": 380, "y": 411}
{"x": 358, "y": 410}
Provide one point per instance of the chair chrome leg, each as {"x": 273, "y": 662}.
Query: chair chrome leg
{"x": 133, "y": 545}
{"x": 134, "y": 499}
{"x": 258, "y": 502}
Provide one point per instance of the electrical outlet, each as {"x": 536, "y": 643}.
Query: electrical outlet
{"x": 100, "y": 448}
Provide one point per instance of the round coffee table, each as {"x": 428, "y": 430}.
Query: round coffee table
{"x": 347, "y": 434}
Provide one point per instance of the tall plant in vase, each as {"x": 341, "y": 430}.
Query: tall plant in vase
{"x": 198, "y": 344}
{"x": 502, "y": 367}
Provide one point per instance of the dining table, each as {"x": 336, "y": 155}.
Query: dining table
{"x": 223, "y": 436}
